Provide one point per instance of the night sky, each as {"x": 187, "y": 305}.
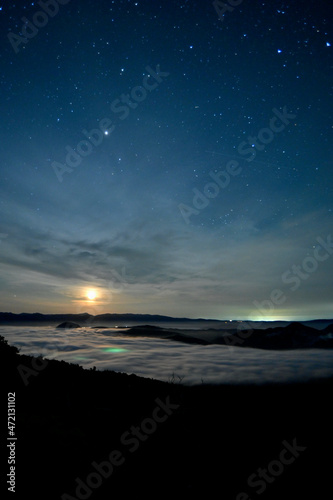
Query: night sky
{"x": 163, "y": 157}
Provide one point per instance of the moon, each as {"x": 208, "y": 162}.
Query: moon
{"x": 91, "y": 294}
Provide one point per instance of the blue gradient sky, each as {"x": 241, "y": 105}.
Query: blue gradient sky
{"x": 115, "y": 222}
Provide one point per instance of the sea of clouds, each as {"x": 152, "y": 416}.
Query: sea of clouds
{"x": 163, "y": 359}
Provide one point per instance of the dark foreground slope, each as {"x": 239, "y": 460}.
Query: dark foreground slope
{"x": 166, "y": 440}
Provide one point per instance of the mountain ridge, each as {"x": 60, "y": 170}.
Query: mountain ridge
{"x": 112, "y": 319}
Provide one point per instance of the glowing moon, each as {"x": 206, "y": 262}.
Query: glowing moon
{"x": 91, "y": 294}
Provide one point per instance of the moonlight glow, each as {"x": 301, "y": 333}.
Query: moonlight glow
{"x": 194, "y": 180}
{"x": 91, "y": 294}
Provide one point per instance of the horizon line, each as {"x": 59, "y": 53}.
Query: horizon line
{"x": 226, "y": 320}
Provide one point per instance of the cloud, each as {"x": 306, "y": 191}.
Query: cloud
{"x": 160, "y": 359}
{"x": 211, "y": 273}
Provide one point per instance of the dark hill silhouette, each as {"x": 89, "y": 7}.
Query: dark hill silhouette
{"x": 293, "y": 336}
{"x": 67, "y": 418}
{"x": 68, "y": 324}
{"x": 328, "y": 329}
{"x": 170, "y": 334}
{"x": 111, "y": 319}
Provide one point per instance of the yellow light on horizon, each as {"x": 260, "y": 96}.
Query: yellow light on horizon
{"x": 91, "y": 294}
